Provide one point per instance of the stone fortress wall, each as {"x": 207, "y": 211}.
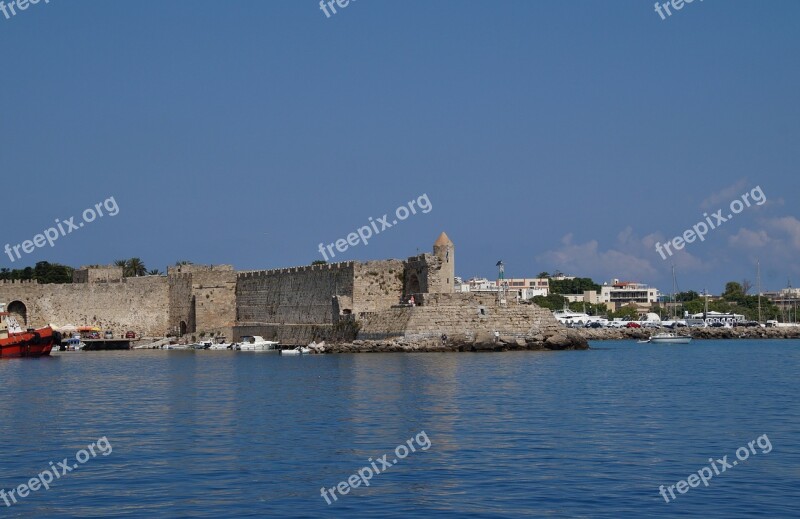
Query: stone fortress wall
{"x": 292, "y": 305}
{"x": 136, "y": 304}
{"x": 460, "y": 315}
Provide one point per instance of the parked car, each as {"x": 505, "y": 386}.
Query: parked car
{"x": 130, "y": 335}
{"x": 633, "y": 325}
{"x": 108, "y": 335}
{"x": 594, "y": 324}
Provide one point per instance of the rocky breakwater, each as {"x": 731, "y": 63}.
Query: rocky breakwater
{"x": 604, "y": 334}
{"x": 566, "y": 340}
{"x": 462, "y": 322}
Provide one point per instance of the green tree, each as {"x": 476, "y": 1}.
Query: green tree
{"x": 691, "y": 295}
{"x": 552, "y": 301}
{"x": 733, "y": 291}
{"x": 319, "y": 262}
{"x": 154, "y": 272}
{"x": 694, "y": 306}
{"x": 543, "y": 275}
{"x": 590, "y": 308}
{"x": 627, "y": 313}
{"x": 46, "y": 273}
{"x": 136, "y": 267}
{"x": 573, "y": 286}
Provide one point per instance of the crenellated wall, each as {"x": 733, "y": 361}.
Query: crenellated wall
{"x": 299, "y": 295}
{"x": 290, "y": 304}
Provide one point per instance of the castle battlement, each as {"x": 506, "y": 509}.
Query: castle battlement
{"x": 314, "y": 299}
{"x": 19, "y": 282}
{"x": 295, "y": 270}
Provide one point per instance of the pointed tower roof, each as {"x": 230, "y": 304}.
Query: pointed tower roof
{"x": 442, "y": 241}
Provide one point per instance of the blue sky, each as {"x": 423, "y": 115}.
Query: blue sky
{"x": 569, "y": 135}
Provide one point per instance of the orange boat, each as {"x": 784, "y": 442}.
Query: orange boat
{"x": 16, "y": 342}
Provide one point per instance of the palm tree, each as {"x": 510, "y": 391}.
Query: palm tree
{"x": 180, "y": 263}
{"x": 154, "y": 272}
{"x": 136, "y": 267}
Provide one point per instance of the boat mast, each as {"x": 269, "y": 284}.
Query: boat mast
{"x": 758, "y": 283}
{"x": 674, "y": 296}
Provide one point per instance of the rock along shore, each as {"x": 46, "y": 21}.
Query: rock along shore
{"x": 604, "y": 334}
{"x": 565, "y": 339}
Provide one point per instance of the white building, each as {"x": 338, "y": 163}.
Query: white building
{"x": 621, "y": 293}
{"x": 526, "y": 288}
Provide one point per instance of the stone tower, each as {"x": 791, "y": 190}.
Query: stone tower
{"x": 444, "y": 249}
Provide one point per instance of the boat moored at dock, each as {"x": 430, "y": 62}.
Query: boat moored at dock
{"x": 256, "y": 343}
{"x": 16, "y": 342}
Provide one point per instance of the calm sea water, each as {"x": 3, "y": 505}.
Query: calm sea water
{"x": 532, "y": 434}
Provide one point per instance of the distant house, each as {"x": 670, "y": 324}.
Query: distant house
{"x": 622, "y": 293}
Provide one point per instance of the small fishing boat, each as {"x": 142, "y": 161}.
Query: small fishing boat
{"x": 297, "y": 351}
{"x": 73, "y": 344}
{"x": 669, "y": 338}
{"x": 16, "y": 342}
{"x": 176, "y": 347}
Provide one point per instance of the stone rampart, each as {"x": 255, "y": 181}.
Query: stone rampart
{"x": 462, "y": 315}
{"x": 299, "y": 295}
{"x": 136, "y": 304}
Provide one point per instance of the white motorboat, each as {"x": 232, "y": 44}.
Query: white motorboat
{"x": 73, "y": 344}
{"x": 221, "y": 346}
{"x": 669, "y": 338}
{"x": 202, "y": 345}
{"x": 297, "y": 351}
{"x": 256, "y": 343}
{"x": 176, "y": 347}
{"x": 577, "y": 319}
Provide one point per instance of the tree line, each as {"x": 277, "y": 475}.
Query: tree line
{"x": 46, "y": 273}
